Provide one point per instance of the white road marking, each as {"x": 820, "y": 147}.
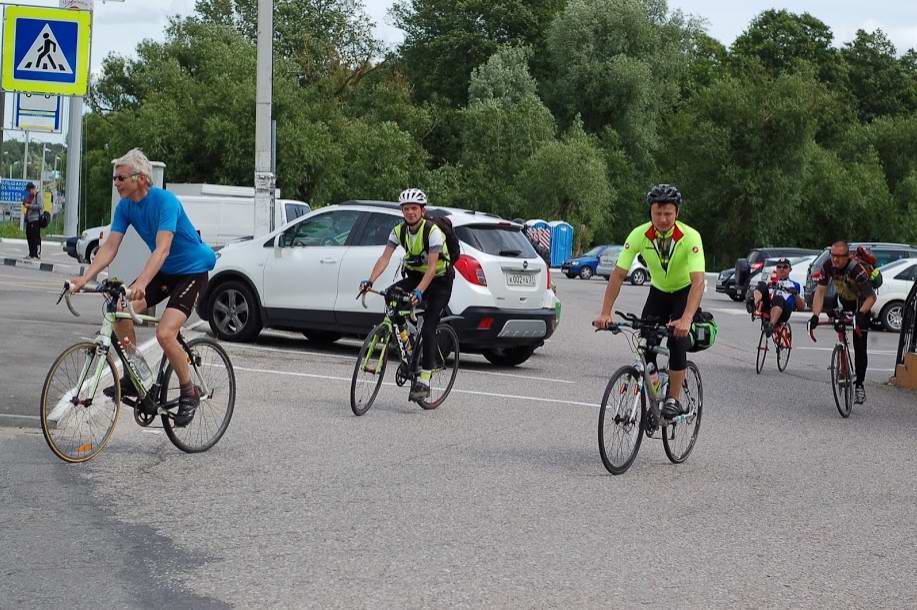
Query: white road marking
{"x": 878, "y": 352}
{"x": 352, "y": 358}
{"x": 454, "y": 390}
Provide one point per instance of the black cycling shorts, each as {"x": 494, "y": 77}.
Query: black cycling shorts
{"x": 668, "y": 307}
{"x": 181, "y": 290}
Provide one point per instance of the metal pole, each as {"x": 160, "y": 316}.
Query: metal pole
{"x": 264, "y": 177}
{"x": 25, "y": 169}
{"x": 74, "y": 145}
{"x": 41, "y": 175}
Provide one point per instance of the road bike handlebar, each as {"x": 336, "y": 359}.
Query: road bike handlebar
{"x": 840, "y": 317}
{"x": 398, "y": 293}
{"x": 632, "y": 321}
{"x": 112, "y": 289}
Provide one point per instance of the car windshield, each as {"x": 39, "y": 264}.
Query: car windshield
{"x": 595, "y": 251}
{"x": 901, "y": 262}
{"x": 497, "y": 239}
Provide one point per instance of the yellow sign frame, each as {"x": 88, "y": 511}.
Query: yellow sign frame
{"x": 83, "y": 19}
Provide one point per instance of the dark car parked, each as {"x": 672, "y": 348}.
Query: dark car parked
{"x": 726, "y": 283}
{"x": 883, "y": 251}
{"x": 747, "y": 268}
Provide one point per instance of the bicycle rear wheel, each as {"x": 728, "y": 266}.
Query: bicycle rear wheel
{"x": 679, "y": 437}
{"x": 369, "y": 369}
{"x": 762, "y": 352}
{"x": 75, "y": 425}
{"x": 621, "y": 420}
{"x": 444, "y": 373}
{"x": 212, "y": 373}
{"x": 784, "y": 344}
{"x": 841, "y": 380}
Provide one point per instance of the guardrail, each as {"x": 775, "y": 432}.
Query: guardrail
{"x": 907, "y": 342}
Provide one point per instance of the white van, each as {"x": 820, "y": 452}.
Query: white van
{"x": 221, "y": 214}
{"x": 226, "y": 213}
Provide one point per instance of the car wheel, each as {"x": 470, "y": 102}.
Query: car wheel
{"x": 509, "y": 356}
{"x": 735, "y": 297}
{"x": 234, "y": 314}
{"x": 91, "y": 252}
{"x": 321, "y": 337}
{"x": 891, "y": 316}
{"x": 585, "y": 273}
{"x": 638, "y": 277}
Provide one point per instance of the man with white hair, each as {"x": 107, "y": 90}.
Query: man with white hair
{"x": 177, "y": 269}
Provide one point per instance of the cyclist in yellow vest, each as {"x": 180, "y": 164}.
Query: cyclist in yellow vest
{"x": 427, "y": 274}
{"x": 674, "y": 255}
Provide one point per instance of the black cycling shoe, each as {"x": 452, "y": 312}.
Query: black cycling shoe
{"x": 186, "y": 407}
{"x": 768, "y": 329}
{"x": 127, "y": 389}
{"x": 420, "y": 391}
{"x": 672, "y": 409}
{"x": 859, "y": 393}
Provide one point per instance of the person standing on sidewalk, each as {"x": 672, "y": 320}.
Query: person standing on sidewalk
{"x": 32, "y": 210}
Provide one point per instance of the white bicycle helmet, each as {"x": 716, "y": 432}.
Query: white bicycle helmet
{"x": 415, "y": 196}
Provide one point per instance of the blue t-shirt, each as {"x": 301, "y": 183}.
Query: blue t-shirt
{"x": 161, "y": 210}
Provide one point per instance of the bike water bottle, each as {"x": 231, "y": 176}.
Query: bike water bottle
{"x": 654, "y": 377}
{"x": 140, "y": 367}
{"x": 663, "y": 381}
{"x": 405, "y": 338}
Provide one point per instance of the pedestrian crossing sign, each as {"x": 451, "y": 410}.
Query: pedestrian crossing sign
{"x": 46, "y": 50}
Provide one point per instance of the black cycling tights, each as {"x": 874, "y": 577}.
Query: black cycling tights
{"x": 667, "y": 306}
{"x": 435, "y": 300}
{"x": 860, "y": 357}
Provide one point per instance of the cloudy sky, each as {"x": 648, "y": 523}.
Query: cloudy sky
{"x": 119, "y": 26}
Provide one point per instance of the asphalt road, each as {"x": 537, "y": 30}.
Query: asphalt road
{"x": 497, "y": 499}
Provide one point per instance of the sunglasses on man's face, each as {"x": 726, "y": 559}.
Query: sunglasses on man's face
{"x": 117, "y": 178}
{"x": 783, "y": 266}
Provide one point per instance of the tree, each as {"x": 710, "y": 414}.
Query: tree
{"x": 881, "y": 84}
{"x": 619, "y": 63}
{"x": 780, "y": 39}
{"x": 566, "y": 179}
{"x": 445, "y": 40}
{"x": 503, "y": 125}
{"x": 323, "y": 37}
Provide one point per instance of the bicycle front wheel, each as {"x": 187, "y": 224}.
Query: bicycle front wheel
{"x": 76, "y": 424}
{"x": 678, "y": 438}
{"x": 762, "y": 352}
{"x": 444, "y": 372}
{"x": 784, "y": 345}
{"x": 212, "y": 373}
{"x": 842, "y": 380}
{"x": 621, "y": 420}
{"x": 369, "y": 369}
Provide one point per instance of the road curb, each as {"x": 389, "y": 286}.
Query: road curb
{"x": 40, "y": 266}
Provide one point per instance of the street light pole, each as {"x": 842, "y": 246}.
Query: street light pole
{"x": 264, "y": 176}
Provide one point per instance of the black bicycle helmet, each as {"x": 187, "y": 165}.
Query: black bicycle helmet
{"x": 664, "y": 193}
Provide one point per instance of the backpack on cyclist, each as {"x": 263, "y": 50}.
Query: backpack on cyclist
{"x": 703, "y": 331}
{"x": 44, "y": 220}
{"x": 445, "y": 225}
{"x": 868, "y": 260}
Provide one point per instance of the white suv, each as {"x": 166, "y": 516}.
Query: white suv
{"x": 305, "y": 276}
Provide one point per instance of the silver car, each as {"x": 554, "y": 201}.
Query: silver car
{"x": 638, "y": 274}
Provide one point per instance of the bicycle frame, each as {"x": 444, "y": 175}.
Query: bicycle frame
{"x": 394, "y": 313}
{"x": 104, "y": 344}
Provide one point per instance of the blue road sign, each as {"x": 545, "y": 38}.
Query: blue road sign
{"x": 11, "y": 190}
{"x": 45, "y": 48}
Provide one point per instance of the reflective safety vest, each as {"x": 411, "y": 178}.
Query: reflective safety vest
{"x": 416, "y": 254}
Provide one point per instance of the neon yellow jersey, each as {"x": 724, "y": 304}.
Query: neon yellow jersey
{"x": 683, "y": 249}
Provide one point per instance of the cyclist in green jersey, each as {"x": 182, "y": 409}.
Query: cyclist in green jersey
{"x": 674, "y": 255}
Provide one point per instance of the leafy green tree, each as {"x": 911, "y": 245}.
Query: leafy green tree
{"x": 619, "y": 63}
{"x": 882, "y": 84}
{"x": 567, "y": 180}
{"x": 445, "y": 40}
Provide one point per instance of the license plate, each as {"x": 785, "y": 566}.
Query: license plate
{"x": 520, "y": 279}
